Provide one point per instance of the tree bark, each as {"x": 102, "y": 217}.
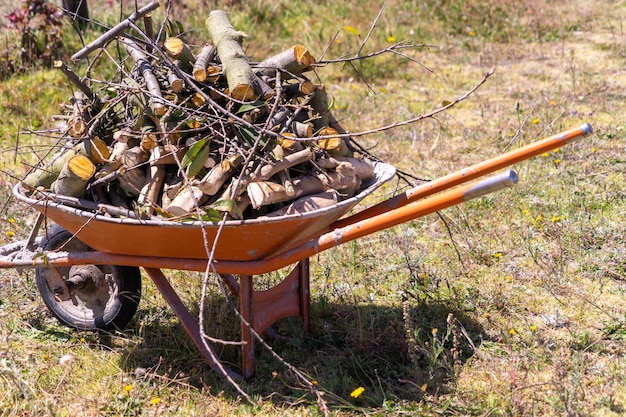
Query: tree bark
{"x": 334, "y": 145}
{"x": 293, "y": 61}
{"x": 205, "y": 56}
{"x": 235, "y": 63}
{"x": 265, "y": 193}
{"x": 73, "y": 178}
{"x": 152, "y": 84}
{"x": 307, "y": 204}
{"x": 178, "y": 50}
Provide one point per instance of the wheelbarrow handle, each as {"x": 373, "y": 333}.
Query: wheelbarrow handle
{"x": 475, "y": 171}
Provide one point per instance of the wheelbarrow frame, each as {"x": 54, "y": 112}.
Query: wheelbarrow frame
{"x": 258, "y": 310}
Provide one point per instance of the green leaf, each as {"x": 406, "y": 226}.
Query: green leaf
{"x": 209, "y": 215}
{"x": 352, "y": 30}
{"x": 250, "y": 106}
{"x": 249, "y": 135}
{"x": 195, "y": 157}
{"x": 230, "y": 206}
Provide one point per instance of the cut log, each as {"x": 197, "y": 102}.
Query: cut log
{"x": 133, "y": 175}
{"x": 186, "y": 201}
{"x": 343, "y": 180}
{"x": 235, "y": 63}
{"x": 293, "y": 61}
{"x": 44, "y": 176}
{"x": 99, "y": 151}
{"x": 333, "y": 145}
{"x": 266, "y": 192}
{"x": 321, "y": 106}
{"x": 152, "y": 84}
{"x": 288, "y": 144}
{"x": 307, "y": 204}
{"x": 363, "y": 168}
{"x": 300, "y": 89}
{"x": 217, "y": 177}
{"x": 179, "y": 51}
{"x": 269, "y": 170}
{"x": 73, "y": 178}
{"x": 201, "y": 65}
{"x": 115, "y": 160}
{"x": 176, "y": 83}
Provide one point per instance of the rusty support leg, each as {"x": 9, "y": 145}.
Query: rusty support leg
{"x": 188, "y": 321}
{"x": 246, "y": 309}
{"x": 305, "y": 295}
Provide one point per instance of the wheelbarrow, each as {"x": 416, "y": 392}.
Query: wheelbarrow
{"x": 87, "y": 264}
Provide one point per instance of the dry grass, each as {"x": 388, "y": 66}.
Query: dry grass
{"x": 508, "y": 305}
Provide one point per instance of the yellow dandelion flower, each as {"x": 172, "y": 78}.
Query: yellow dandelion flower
{"x": 314, "y": 382}
{"x": 533, "y": 328}
{"x": 555, "y": 150}
{"x": 82, "y": 340}
{"x": 555, "y": 219}
{"x": 383, "y": 90}
{"x": 545, "y": 154}
{"x": 535, "y": 121}
{"x": 424, "y": 387}
{"x": 155, "y": 401}
{"x": 357, "y": 392}
{"x": 557, "y": 161}
{"x": 434, "y": 331}
{"x": 471, "y": 33}
{"x": 10, "y": 234}
{"x": 11, "y": 220}
{"x": 594, "y": 149}
{"x": 512, "y": 332}
{"x": 525, "y": 212}
{"x": 498, "y": 254}
{"x": 127, "y": 388}
{"x": 391, "y": 39}
{"x": 539, "y": 218}
{"x": 552, "y": 102}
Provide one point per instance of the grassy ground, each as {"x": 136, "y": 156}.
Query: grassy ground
{"x": 507, "y": 305}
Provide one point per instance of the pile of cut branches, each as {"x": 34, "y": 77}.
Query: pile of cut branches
{"x": 199, "y": 131}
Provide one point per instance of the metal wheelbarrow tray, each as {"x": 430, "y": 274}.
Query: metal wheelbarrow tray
{"x": 245, "y": 248}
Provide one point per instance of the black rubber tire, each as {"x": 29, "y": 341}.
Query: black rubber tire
{"x": 107, "y": 303}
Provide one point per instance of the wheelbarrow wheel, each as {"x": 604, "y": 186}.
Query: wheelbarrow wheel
{"x": 100, "y": 297}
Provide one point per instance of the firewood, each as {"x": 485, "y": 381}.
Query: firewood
{"x": 153, "y": 185}
{"x": 114, "y": 161}
{"x": 152, "y": 84}
{"x": 320, "y": 105}
{"x": 98, "y": 150}
{"x": 333, "y": 145}
{"x": 343, "y": 179}
{"x": 205, "y": 56}
{"x": 133, "y": 175}
{"x": 363, "y": 168}
{"x": 72, "y": 179}
{"x": 288, "y": 144}
{"x": 266, "y": 192}
{"x": 186, "y": 201}
{"x": 268, "y": 170}
{"x": 178, "y": 50}
{"x": 293, "y": 61}
{"x": 217, "y": 177}
{"x": 46, "y": 174}
{"x": 307, "y": 204}
{"x": 176, "y": 83}
{"x": 235, "y": 63}
{"x": 299, "y": 89}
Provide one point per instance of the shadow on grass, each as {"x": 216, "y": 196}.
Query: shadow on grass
{"x": 393, "y": 352}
